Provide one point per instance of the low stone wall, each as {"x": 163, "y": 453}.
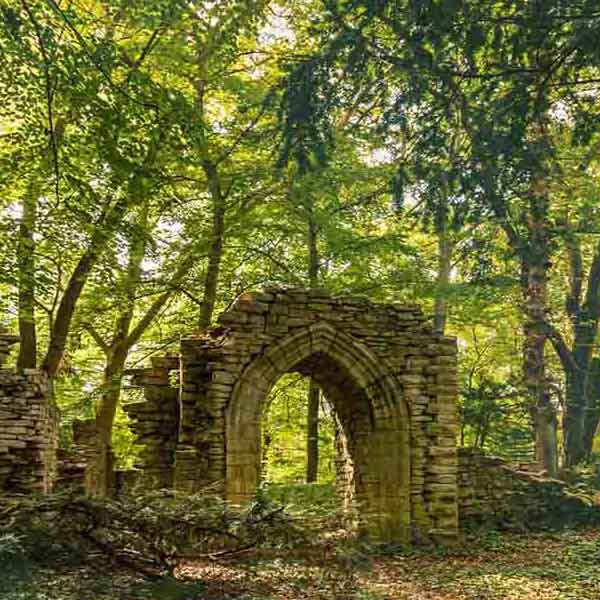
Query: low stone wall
{"x": 28, "y": 432}
{"x": 494, "y": 494}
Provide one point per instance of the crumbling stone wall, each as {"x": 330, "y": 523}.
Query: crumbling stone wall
{"x": 28, "y": 427}
{"x": 493, "y": 493}
{"x": 391, "y": 380}
{"x": 156, "y": 420}
{"x": 28, "y": 432}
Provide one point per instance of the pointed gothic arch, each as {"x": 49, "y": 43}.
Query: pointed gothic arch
{"x": 372, "y": 412}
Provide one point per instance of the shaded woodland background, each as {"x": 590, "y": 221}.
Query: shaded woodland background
{"x": 159, "y": 159}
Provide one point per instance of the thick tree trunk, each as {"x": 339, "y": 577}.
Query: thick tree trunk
{"x": 592, "y": 407}
{"x": 216, "y": 248}
{"x": 574, "y": 417}
{"x": 580, "y": 418}
{"x": 440, "y": 310}
{"x": 578, "y": 387}
{"x": 26, "y": 278}
{"x": 535, "y": 292}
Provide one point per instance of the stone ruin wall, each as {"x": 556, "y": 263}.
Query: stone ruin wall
{"x": 412, "y": 381}
{"x": 496, "y": 494}
{"x": 181, "y": 423}
{"x": 28, "y": 428}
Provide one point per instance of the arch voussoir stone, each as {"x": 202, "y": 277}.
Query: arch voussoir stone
{"x": 378, "y": 365}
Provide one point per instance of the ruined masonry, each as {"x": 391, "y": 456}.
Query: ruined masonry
{"x": 28, "y": 428}
{"x": 391, "y": 380}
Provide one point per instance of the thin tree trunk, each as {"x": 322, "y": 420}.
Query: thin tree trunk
{"x": 26, "y": 274}
{"x": 98, "y": 469}
{"x": 312, "y": 423}
{"x": 216, "y": 248}
{"x": 103, "y": 232}
{"x": 312, "y": 441}
{"x": 98, "y": 473}
{"x": 445, "y": 247}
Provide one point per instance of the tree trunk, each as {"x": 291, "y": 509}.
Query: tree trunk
{"x": 580, "y": 418}
{"x": 534, "y": 361}
{"x": 574, "y": 417}
{"x": 579, "y": 390}
{"x": 26, "y": 277}
{"x": 216, "y": 248}
{"x": 103, "y": 232}
{"x": 98, "y": 473}
{"x": 592, "y": 407}
{"x": 312, "y": 438}
{"x": 445, "y": 247}
{"x": 99, "y": 468}
{"x": 312, "y": 422}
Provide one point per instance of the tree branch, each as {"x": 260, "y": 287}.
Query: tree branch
{"x": 97, "y": 337}
{"x": 573, "y": 303}
{"x": 157, "y": 305}
{"x": 560, "y": 346}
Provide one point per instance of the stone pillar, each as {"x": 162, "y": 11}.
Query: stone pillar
{"x": 156, "y": 422}
{"x": 441, "y": 478}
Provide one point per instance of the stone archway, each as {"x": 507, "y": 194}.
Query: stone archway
{"x": 369, "y": 403}
{"x": 391, "y": 379}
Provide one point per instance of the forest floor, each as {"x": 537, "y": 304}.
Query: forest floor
{"x": 542, "y": 566}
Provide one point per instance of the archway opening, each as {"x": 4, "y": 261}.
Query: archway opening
{"x": 370, "y": 411}
{"x": 285, "y": 445}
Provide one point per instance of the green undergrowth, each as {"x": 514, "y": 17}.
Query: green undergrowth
{"x": 489, "y": 566}
{"x": 304, "y": 554}
{"x": 314, "y": 498}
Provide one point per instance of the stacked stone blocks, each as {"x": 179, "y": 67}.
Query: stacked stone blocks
{"x": 391, "y": 380}
{"x": 494, "y": 493}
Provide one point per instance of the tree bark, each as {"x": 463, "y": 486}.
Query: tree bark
{"x": 534, "y": 279}
{"x": 216, "y": 247}
{"x": 312, "y": 422}
{"x": 440, "y": 311}
{"x": 26, "y": 280}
